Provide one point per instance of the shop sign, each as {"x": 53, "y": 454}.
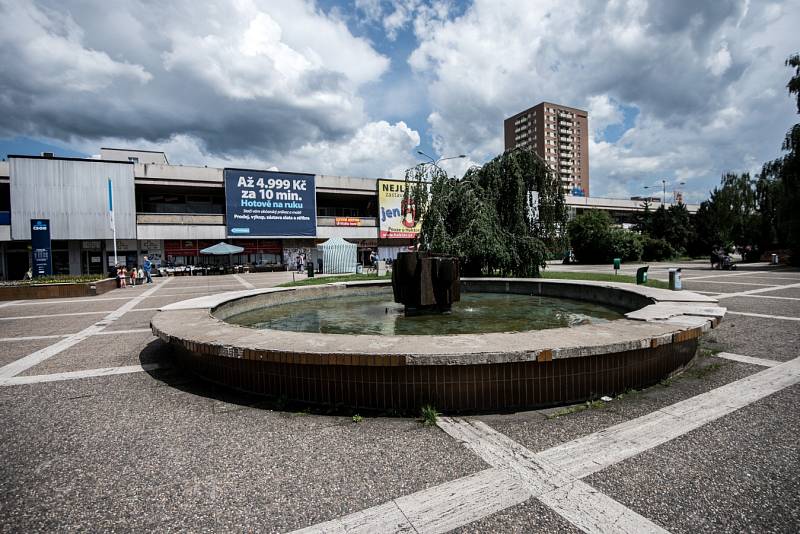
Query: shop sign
{"x": 348, "y": 221}
{"x": 270, "y": 204}
{"x": 40, "y": 248}
{"x": 91, "y": 245}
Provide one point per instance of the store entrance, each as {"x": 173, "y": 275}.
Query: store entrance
{"x": 91, "y": 262}
{"x": 18, "y": 263}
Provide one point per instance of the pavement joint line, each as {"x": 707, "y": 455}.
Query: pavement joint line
{"x": 73, "y": 375}
{"x": 576, "y": 501}
{"x": 55, "y": 336}
{"x": 26, "y": 362}
{"x": 32, "y": 338}
{"x": 467, "y": 499}
{"x": 764, "y": 315}
{"x": 769, "y": 297}
{"x": 756, "y": 291}
{"x": 131, "y": 331}
{"x": 723, "y": 275}
{"x": 244, "y": 282}
{"x": 10, "y": 303}
{"x": 735, "y": 283}
{"x": 72, "y": 314}
{"x": 764, "y": 362}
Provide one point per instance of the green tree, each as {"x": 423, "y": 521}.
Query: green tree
{"x": 589, "y": 234}
{"x": 643, "y": 218}
{"x": 729, "y": 217}
{"x": 783, "y": 177}
{"x": 505, "y": 216}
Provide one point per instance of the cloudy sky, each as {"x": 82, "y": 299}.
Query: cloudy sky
{"x": 679, "y": 90}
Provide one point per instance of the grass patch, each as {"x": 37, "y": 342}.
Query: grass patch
{"x": 601, "y": 277}
{"x": 704, "y": 371}
{"x": 429, "y": 415}
{"x": 357, "y": 418}
{"x": 317, "y": 280}
{"x": 588, "y": 405}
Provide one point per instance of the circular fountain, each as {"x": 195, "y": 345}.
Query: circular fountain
{"x": 349, "y": 344}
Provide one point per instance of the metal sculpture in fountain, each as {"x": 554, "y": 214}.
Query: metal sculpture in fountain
{"x": 426, "y": 283}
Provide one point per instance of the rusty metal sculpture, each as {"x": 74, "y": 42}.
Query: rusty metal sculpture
{"x": 425, "y": 282}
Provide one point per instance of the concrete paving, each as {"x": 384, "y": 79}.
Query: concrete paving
{"x": 159, "y": 450}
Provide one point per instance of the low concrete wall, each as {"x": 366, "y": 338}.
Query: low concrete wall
{"x": 54, "y": 291}
{"x": 455, "y": 373}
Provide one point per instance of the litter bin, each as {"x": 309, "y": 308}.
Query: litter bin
{"x": 359, "y": 268}
{"x": 675, "y": 279}
{"x": 310, "y": 269}
{"x": 641, "y": 275}
{"x": 774, "y": 260}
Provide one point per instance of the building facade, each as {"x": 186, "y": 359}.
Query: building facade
{"x": 560, "y": 135}
{"x": 171, "y": 212}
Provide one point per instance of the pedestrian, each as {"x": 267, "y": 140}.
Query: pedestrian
{"x": 132, "y": 274}
{"x": 122, "y": 274}
{"x": 140, "y": 275}
{"x": 147, "y": 266}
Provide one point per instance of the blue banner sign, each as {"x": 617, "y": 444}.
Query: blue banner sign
{"x": 270, "y": 204}
{"x": 40, "y": 248}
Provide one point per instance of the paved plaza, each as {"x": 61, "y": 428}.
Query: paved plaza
{"x": 100, "y": 432}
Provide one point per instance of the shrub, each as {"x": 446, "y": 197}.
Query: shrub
{"x": 625, "y": 244}
{"x": 657, "y": 250}
{"x": 589, "y": 236}
{"x": 595, "y": 240}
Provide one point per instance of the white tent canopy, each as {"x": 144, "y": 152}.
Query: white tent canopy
{"x": 339, "y": 256}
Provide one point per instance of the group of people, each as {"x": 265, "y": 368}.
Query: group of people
{"x": 136, "y": 274}
{"x": 720, "y": 259}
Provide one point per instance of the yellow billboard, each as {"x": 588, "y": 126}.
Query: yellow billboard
{"x": 398, "y": 218}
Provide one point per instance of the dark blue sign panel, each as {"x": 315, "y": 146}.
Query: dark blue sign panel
{"x": 40, "y": 247}
{"x": 270, "y": 204}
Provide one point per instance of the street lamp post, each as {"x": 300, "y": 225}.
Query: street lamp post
{"x": 663, "y": 189}
{"x": 435, "y": 162}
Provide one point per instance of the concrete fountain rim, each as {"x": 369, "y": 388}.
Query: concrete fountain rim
{"x": 671, "y": 316}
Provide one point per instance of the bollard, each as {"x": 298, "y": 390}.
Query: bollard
{"x": 675, "y": 279}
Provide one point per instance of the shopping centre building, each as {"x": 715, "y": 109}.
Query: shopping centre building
{"x": 171, "y": 212}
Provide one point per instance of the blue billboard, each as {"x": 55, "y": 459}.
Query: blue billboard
{"x": 270, "y": 204}
{"x": 41, "y": 255}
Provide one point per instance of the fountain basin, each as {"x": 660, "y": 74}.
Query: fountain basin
{"x": 465, "y": 372}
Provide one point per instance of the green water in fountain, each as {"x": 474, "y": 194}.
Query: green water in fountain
{"x": 476, "y": 313}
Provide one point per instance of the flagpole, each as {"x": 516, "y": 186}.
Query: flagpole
{"x": 113, "y": 221}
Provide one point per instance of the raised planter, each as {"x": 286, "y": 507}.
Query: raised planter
{"x": 54, "y": 291}
{"x": 470, "y": 372}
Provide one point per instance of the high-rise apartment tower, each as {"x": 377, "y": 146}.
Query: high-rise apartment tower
{"x": 560, "y": 135}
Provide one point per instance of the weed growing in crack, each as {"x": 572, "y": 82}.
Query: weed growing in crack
{"x": 429, "y": 415}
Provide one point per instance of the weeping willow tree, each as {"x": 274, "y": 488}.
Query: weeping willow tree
{"x": 503, "y": 218}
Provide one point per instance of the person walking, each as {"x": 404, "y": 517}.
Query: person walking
{"x": 147, "y": 266}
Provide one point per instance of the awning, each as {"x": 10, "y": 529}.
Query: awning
{"x": 222, "y": 249}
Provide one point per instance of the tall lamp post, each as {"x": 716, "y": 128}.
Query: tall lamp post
{"x": 663, "y": 189}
